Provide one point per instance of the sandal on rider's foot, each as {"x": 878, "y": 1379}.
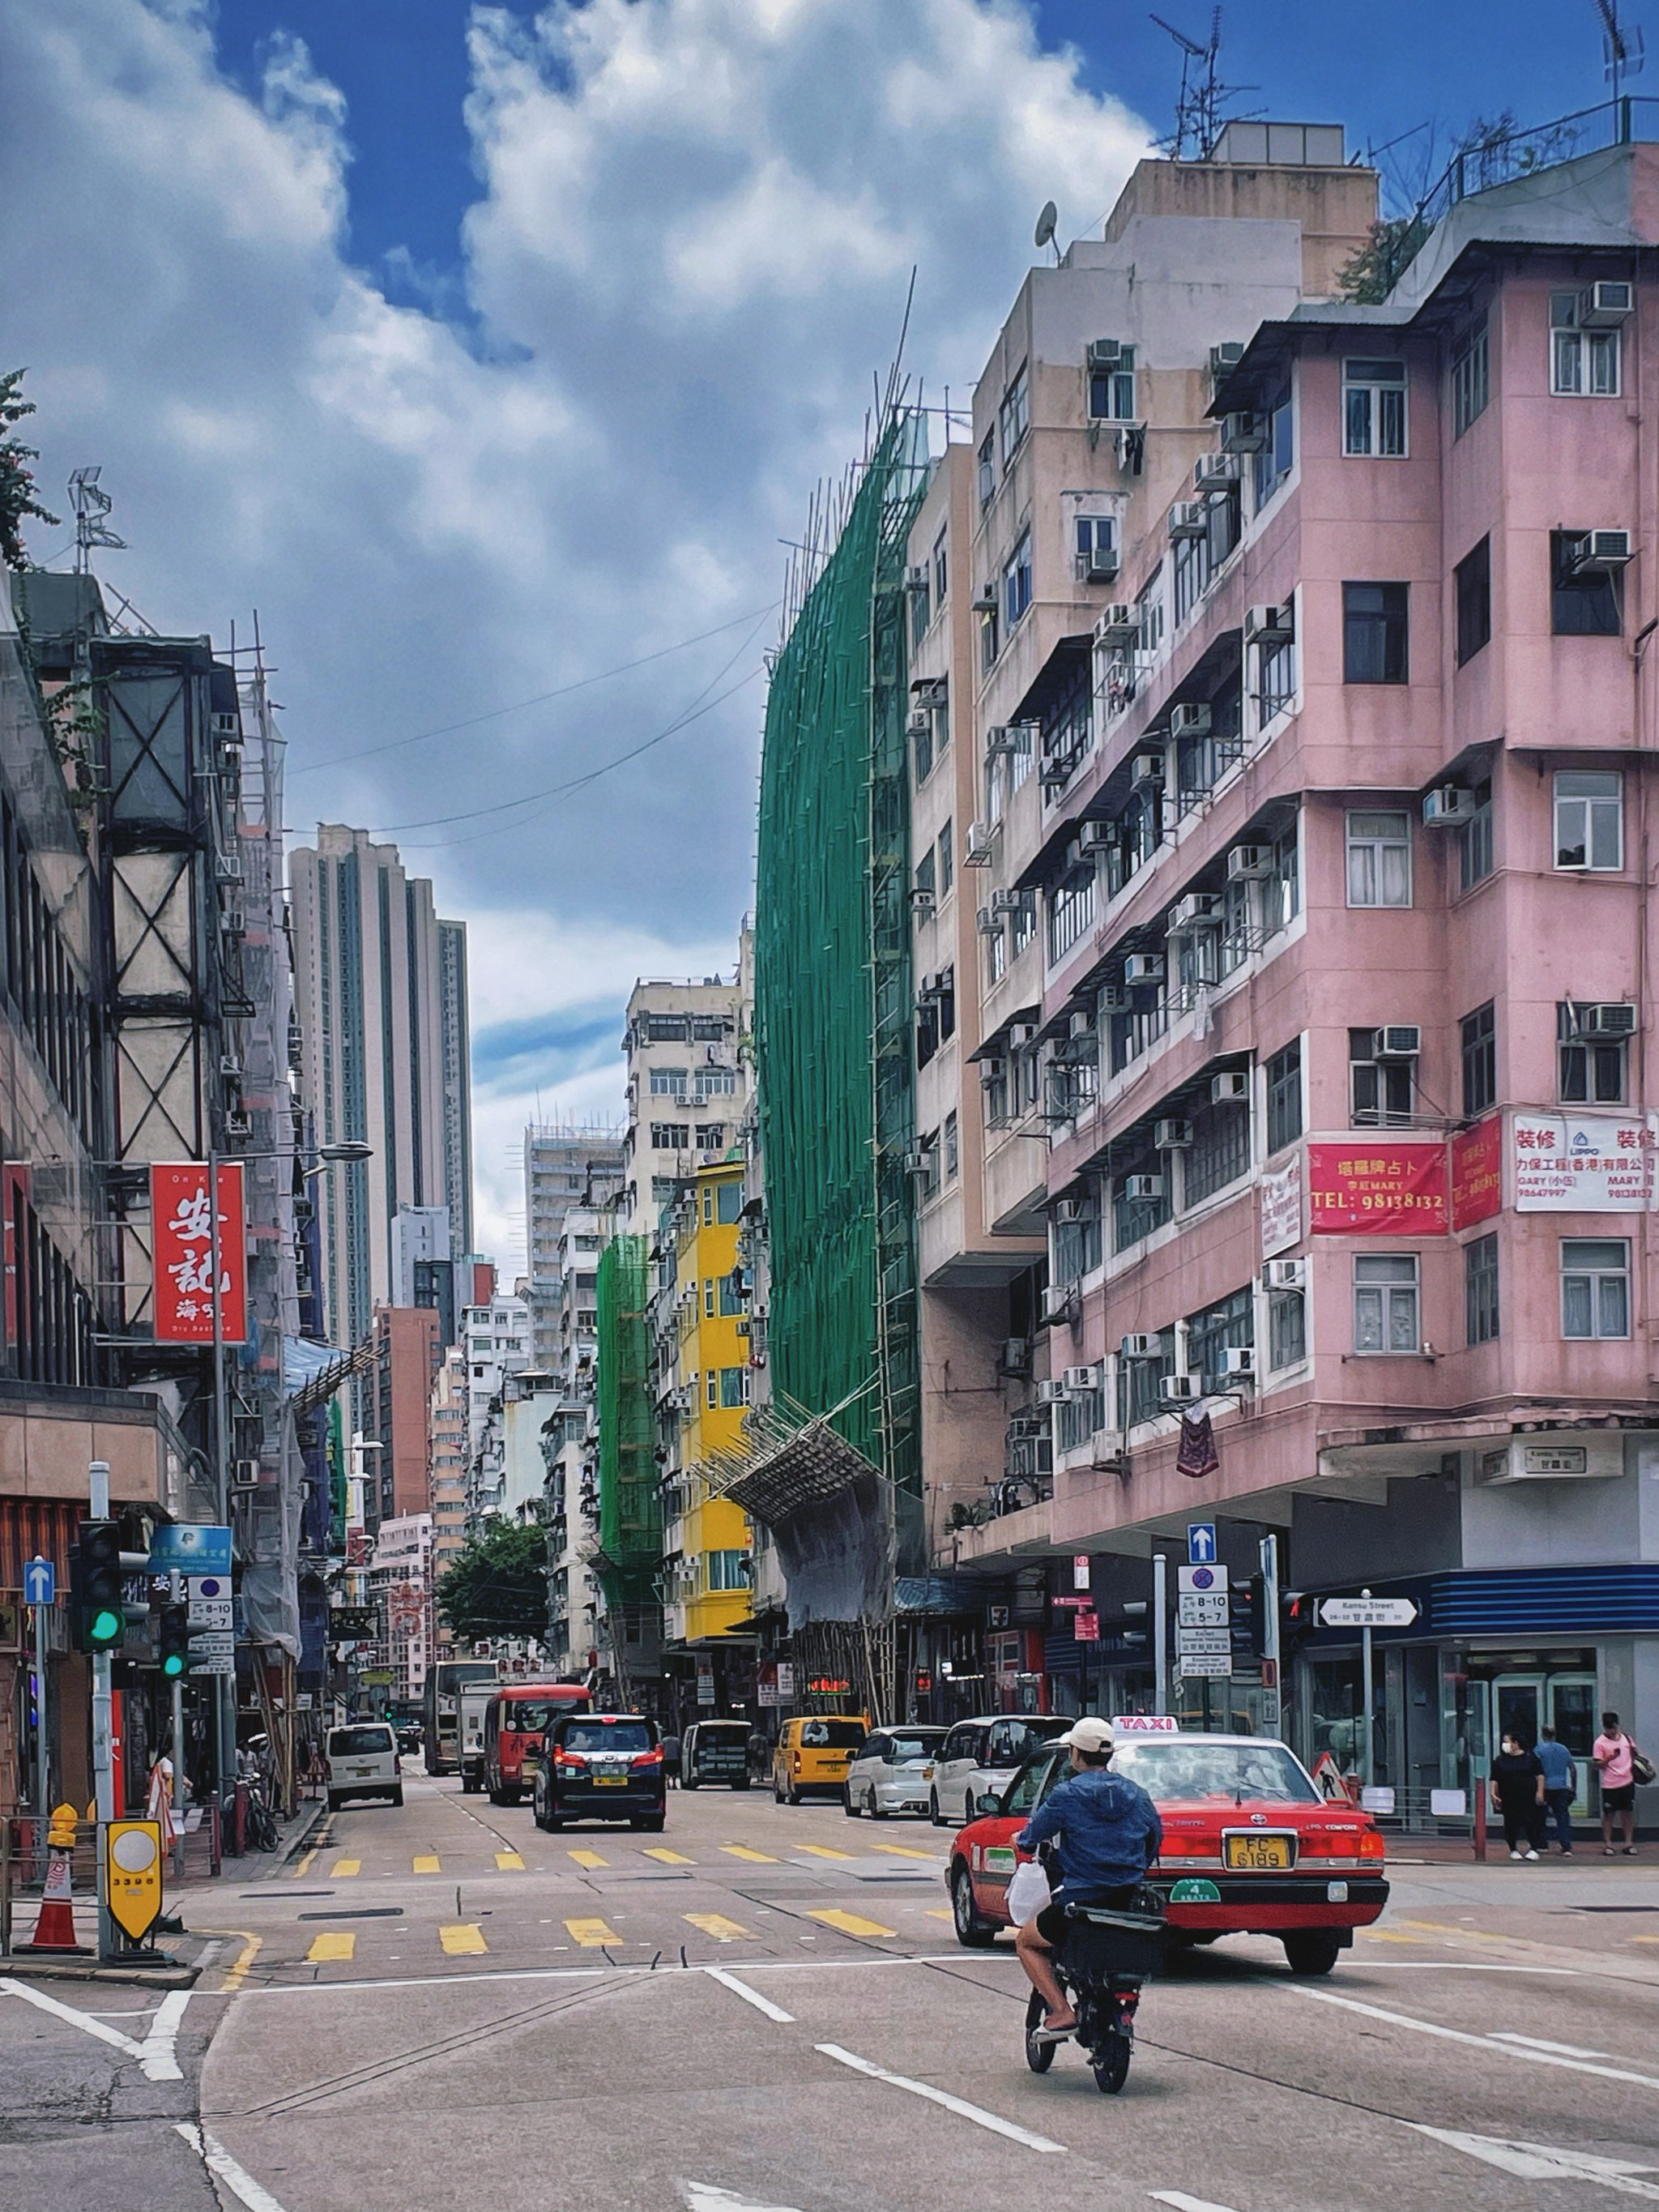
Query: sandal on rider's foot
{"x": 1046, "y": 2034}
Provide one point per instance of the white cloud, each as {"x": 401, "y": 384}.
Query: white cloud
{"x": 695, "y": 229}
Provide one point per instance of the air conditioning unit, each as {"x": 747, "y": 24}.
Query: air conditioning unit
{"x": 1021, "y": 1034}
{"x": 1099, "y": 565}
{"x": 1070, "y": 1209}
{"x": 1231, "y": 1089}
{"x": 1172, "y": 1136}
{"x": 1059, "y": 1302}
{"x": 919, "y": 1162}
{"x": 1448, "y": 807}
{"x": 1010, "y": 902}
{"x": 930, "y": 986}
{"x": 988, "y": 923}
{"x": 1001, "y": 738}
{"x": 1284, "y": 1274}
{"x": 1049, "y": 1394}
{"x": 922, "y": 723}
{"x": 1118, "y": 623}
{"x": 1214, "y": 471}
{"x": 1599, "y": 550}
{"x": 1080, "y": 1380}
{"x": 1190, "y": 720}
{"x": 230, "y": 1066}
{"x": 1105, "y": 352}
{"x": 1243, "y": 433}
{"x": 1601, "y": 306}
{"x": 1270, "y": 625}
{"x": 917, "y": 579}
{"x": 1142, "y": 968}
{"x": 1113, "y": 999}
{"x": 1238, "y": 1361}
{"x": 1093, "y": 837}
{"x": 1145, "y": 769}
{"x": 1180, "y": 1389}
{"x": 1142, "y": 1347}
{"x": 1401, "y": 1040}
{"x": 1247, "y": 862}
{"x": 233, "y": 921}
{"x": 1224, "y": 358}
{"x": 977, "y": 852}
{"x": 922, "y": 903}
{"x": 1197, "y": 910}
{"x": 991, "y": 1072}
{"x": 1016, "y": 1358}
{"x": 1079, "y": 1023}
{"x": 245, "y": 1474}
{"x": 1612, "y": 1018}
{"x": 1189, "y": 517}
{"x": 237, "y": 1124}
{"x": 1143, "y": 1189}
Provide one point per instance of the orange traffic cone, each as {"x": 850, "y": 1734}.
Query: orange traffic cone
{"x": 55, "y": 1929}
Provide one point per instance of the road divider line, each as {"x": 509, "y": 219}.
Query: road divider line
{"x": 959, "y": 2105}
{"x": 824, "y": 1851}
{"x": 155, "y": 2053}
{"x": 330, "y": 1949}
{"x": 849, "y": 1924}
{"x": 462, "y": 1940}
{"x": 938, "y": 1913}
{"x": 717, "y": 1925}
{"x": 751, "y": 1996}
{"x": 220, "y": 2163}
{"x": 342, "y": 1869}
{"x": 589, "y": 1859}
{"x": 592, "y": 1935}
{"x": 743, "y": 1851}
{"x": 905, "y": 1851}
{"x": 1480, "y": 2042}
{"x": 1537, "y": 2043}
{"x": 427, "y": 1862}
{"x": 669, "y": 1858}
{"x": 510, "y": 1861}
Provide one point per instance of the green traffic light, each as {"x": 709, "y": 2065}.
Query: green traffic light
{"x": 174, "y": 1664}
{"x": 107, "y": 1627}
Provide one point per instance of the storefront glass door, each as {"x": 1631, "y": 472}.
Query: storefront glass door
{"x": 1517, "y": 1708}
{"x": 1572, "y": 1716}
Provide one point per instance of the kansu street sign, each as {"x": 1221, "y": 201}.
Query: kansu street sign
{"x": 1367, "y": 1612}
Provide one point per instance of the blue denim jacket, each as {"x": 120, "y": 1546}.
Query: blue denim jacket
{"x": 1109, "y": 1830}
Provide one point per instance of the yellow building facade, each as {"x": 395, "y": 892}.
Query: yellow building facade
{"x": 712, "y": 1591}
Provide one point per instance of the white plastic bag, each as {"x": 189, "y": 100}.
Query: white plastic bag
{"x": 1028, "y": 1892}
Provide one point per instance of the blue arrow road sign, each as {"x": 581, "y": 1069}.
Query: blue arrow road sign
{"x": 1200, "y": 1542}
{"x": 39, "y": 1583}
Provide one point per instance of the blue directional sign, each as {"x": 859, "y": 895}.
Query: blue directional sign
{"x": 39, "y": 1583}
{"x": 1200, "y": 1543}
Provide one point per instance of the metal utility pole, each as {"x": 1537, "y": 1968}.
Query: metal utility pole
{"x": 1160, "y": 1633}
{"x": 224, "y": 1686}
{"x": 175, "y": 1592}
{"x": 1273, "y": 1697}
{"x": 103, "y": 1731}
{"x": 1366, "y": 1693}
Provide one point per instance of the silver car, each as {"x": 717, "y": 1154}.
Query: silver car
{"x": 982, "y": 1755}
{"x": 889, "y": 1774}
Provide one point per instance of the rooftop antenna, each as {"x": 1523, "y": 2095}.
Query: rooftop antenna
{"x": 1202, "y": 96}
{"x": 1044, "y": 233}
{"x": 1622, "y": 51}
{"x": 91, "y": 506}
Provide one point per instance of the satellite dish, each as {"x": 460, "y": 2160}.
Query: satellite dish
{"x": 1045, "y": 224}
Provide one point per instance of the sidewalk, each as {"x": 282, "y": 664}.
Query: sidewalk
{"x": 1459, "y": 1850}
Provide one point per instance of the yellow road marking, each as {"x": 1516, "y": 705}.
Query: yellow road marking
{"x": 588, "y": 1859}
{"x": 326, "y": 1948}
{"x": 717, "y": 1925}
{"x": 427, "y": 1862}
{"x": 297, "y": 1871}
{"x": 903, "y": 1851}
{"x": 824, "y": 1851}
{"x": 668, "y": 1857}
{"x": 341, "y": 1868}
{"x": 938, "y": 1913}
{"x": 743, "y": 1851}
{"x": 236, "y": 1972}
{"x": 849, "y": 1924}
{"x": 509, "y": 1861}
{"x": 592, "y": 1935}
{"x": 462, "y": 1940}
{"x": 1387, "y": 1935}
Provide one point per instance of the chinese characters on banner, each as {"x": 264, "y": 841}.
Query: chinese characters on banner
{"x": 1477, "y": 1172}
{"x": 182, "y": 1232}
{"x": 1582, "y": 1163}
{"x": 1281, "y": 1208}
{"x": 1378, "y": 1187}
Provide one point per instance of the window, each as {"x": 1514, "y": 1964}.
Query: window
{"x": 728, "y": 1203}
{"x": 1583, "y": 364}
{"x": 941, "y": 569}
{"x": 711, "y": 1386}
{"x": 988, "y": 468}
{"x": 708, "y": 1207}
{"x": 1379, "y": 859}
{"x": 1471, "y": 383}
{"x": 1380, "y": 1090}
{"x": 1287, "y": 1328}
{"x": 1481, "y": 1291}
{"x": 1017, "y": 581}
{"x": 1474, "y": 574}
{"x": 1285, "y": 1097}
{"x": 1276, "y": 674}
{"x": 1277, "y": 456}
{"x": 1385, "y": 1302}
{"x": 1071, "y": 910}
{"x": 1077, "y": 1245}
{"x": 1135, "y": 1215}
{"x": 670, "y": 1136}
{"x": 1095, "y": 543}
{"x": 717, "y": 1082}
{"x": 921, "y": 744}
{"x": 726, "y": 1570}
{"x": 711, "y": 1136}
{"x": 734, "y": 1387}
{"x": 1374, "y": 408}
{"x": 1593, "y": 1071}
{"x": 1013, "y": 418}
{"x": 1585, "y": 602}
{"x": 1374, "y": 622}
{"x": 990, "y": 641}
{"x": 952, "y": 1152}
{"x": 709, "y": 1298}
{"x": 1595, "y": 1286}
{"x": 921, "y": 613}
{"x": 947, "y": 860}
{"x": 1590, "y": 830}
{"x": 1227, "y": 1325}
{"x": 1219, "y": 1152}
{"x": 1139, "y": 1383}
{"x": 1112, "y": 391}
{"x": 1149, "y": 614}
{"x": 668, "y": 1082}
{"x": 1192, "y": 574}
{"x": 1474, "y": 852}
{"x": 1478, "y": 1035}
{"x": 924, "y": 877}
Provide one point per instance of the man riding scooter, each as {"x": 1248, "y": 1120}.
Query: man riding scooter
{"x": 1109, "y": 1833}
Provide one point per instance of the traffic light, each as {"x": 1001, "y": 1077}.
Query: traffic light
{"x": 174, "y": 1648}
{"x": 1297, "y": 1619}
{"x": 1249, "y": 1623}
{"x": 1134, "y": 1634}
{"x": 97, "y": 1593}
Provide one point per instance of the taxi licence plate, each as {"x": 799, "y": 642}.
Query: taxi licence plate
{"x": 610, "y": 1781}
{"x": 1258, "y": 1854}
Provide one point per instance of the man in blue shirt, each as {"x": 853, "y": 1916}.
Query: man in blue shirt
{"x": 1560, "y": 1785}
{"x": 1109, "y": 1833}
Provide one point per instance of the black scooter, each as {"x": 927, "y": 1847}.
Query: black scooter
{"x": 1105, "y": 1957}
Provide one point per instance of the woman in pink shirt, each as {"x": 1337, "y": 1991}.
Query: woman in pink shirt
{"x": 1615, "y": 1754}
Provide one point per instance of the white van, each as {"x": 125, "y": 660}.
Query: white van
{"x": 363, "y": 1762}
{"x": 471, "y": 1703}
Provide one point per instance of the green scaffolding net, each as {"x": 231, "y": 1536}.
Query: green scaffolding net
{"x": 630, "y": 1513}
{"x": 833, "y": 987}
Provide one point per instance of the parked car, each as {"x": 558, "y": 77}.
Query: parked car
{"x": 715, "y": 1751}
{"x": 1249, "y": 1847}
{"x": 601, "y": 1766}
{"x": 981, "y": 1757}
{"x": 363, "y": 1762}
{"x": 813, "y": 1753}
{"x": 889, "y": 1772}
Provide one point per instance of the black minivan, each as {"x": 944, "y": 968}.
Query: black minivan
{"x": 715, "y": 1751}
{"x": 601, "y": 1766}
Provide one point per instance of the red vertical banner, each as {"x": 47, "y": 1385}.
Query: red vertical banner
{"x": 182, "y": 1233}
{"x": 1477, "y": 1172}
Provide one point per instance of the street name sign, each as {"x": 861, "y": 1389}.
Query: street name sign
{"x": 1367, "y": 1612}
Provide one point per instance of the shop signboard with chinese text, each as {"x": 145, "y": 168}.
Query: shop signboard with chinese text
{"x": 182, "y": 1229}
{"x": 1582, "y": 1163}
{"x": 1281, "y": 1209}
{"x": 1477, "y": 1172}
{"x": 1378, "y": 1187}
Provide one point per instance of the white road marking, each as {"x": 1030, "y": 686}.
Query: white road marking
{"x": 1540, "y": 2162}
{"x": 1464, "y": 1967}
{"x": 220, "y": 2163}
{"x": 868, "y": 1962}
{"x": 703, "y": 2196}
{"x": 959, "y": 2105}
{"x": 154, "y": 2054}
{"x": 1480, "y": 2042}
{"x": 752, "y": 1996}
{"x": 1537, "y": 2043}
{"x": 1182, "y": 2202}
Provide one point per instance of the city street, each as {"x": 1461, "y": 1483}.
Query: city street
{"x": 770, "y": 2002}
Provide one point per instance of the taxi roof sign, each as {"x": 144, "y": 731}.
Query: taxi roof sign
{"x": 1145, "y": 1724}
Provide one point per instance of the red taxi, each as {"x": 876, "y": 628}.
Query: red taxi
{"x": 1249, "y": 1846}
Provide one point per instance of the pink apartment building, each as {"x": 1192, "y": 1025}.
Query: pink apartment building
{"x": 1296, "y": 948}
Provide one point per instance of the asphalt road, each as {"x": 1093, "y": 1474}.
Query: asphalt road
{"x": 766, "y": 2007}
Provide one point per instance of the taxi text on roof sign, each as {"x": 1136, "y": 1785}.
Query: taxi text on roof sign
{"x": 1145, "y": 1724}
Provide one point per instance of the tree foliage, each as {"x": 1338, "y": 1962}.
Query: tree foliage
{"x": 18, "y": 500}
{"x": 497, "y": 1583}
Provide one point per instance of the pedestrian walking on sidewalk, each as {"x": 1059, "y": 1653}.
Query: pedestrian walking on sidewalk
{"x": 1560, "y": 1788}
{"x": 670, "y": 1760}
{"x": 1517, "y": 1794}
{"x": 1615, "y": 1754}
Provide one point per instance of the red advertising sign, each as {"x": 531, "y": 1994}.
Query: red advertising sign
{"x": 1086, "y": 1628}
{"x": 1377, "y": 1187}
{"x": 182, "y": 1231}
{"x": 1477, "y": 1172}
